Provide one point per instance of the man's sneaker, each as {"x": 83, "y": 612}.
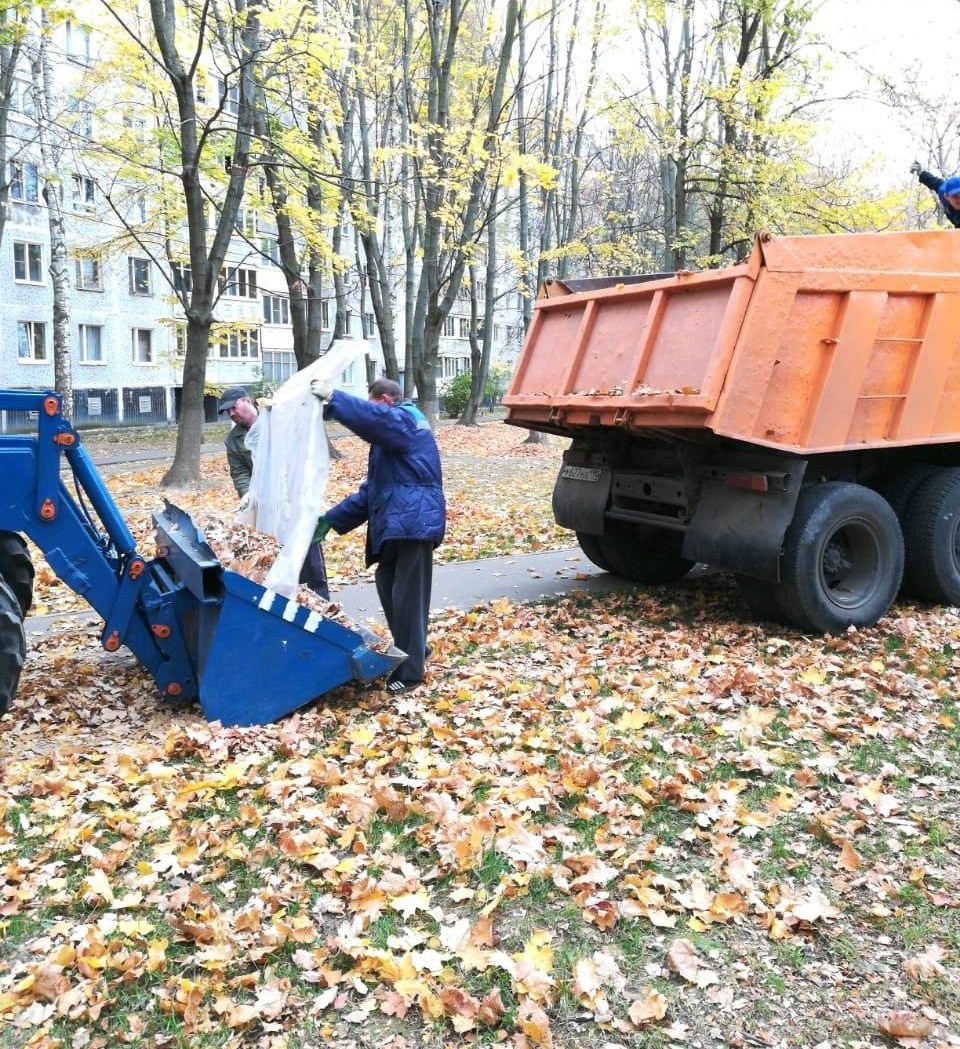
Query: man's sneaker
{"x": 394, "y": 688}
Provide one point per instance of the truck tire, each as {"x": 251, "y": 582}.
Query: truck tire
{"x": 899, "y": 490}
{"x": 17, "y": 568}
{"x": 762, "y": 598}
{"x": 590, "y": 545}
{"x": 932, "y": 535}
{"x": 13, "y": 647}
{"x": 842, "y": 558}
{"x": 643, "y": 555}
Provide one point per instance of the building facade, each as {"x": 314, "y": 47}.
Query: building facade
{"x": 127, "y": 330}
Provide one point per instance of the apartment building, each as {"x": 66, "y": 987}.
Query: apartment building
{"x": 126, "y": 326}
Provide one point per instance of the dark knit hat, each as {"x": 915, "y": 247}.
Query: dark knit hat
{"x": 232, "y": 394}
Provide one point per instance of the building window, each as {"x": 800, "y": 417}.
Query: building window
{"x": 78, "y": 43}
{"x": 238, "y": 283}
{"x": 140, "y": 277}
{"x": 27, "y": 262}
{"x": 278, "y": 366}
{"x": 464, "y": 327}
{"x": 24, "y": 182}
{"x": 270, "y": 250}
{"x": 31, "y": 341}
{"x": 82, "y": 117}
{"x": 143, "y": 346}
{"x": 346, "y": 376}
{"x": 325, "y": 315}
{"x": 229, "y": 97}
{"x": 369, "y": 325}
{"x": 180, "y": 335}
{"x": 21, "y": 99}
{"x": 276, "y": 310}
{"x": 243, "y": 344}
{"x": 182, "y": 278}
{"x": 88, "y": 274}
{"x": 246, "y": 222}
{"x": 347, "y": 322}
{"x": 84, "y": 192}
{"x": 450, "y": 326}
{"x": 91, "y": 344}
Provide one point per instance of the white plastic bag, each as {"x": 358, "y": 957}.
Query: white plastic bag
{"x": 291, "y": 464}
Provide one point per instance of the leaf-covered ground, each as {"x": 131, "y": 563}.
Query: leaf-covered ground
{"x": 617, "y": 820}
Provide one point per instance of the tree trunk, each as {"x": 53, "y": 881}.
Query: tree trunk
{"x": 10, "y": 35}
{"x": 51, "y": 152}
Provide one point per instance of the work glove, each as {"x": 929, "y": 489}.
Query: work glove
{"x": 321, "y": 388}
{"x": 244, "y": 501}
{"x": 323, "y": 525}
{"x": 915, "y": 168}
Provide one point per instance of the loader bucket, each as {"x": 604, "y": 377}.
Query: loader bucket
{"x": 256, "y": 654}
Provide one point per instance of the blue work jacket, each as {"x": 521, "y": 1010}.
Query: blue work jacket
{"x": 402, "y": 496}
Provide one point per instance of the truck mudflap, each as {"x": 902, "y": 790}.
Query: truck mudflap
{"x": 741, "y": 518}
{"x": 581, "y": 496}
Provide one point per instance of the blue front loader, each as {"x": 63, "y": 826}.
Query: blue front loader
{"x": 249, "y": 655}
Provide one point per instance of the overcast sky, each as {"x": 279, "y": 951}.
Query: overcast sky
{"x": 893, "y": 36}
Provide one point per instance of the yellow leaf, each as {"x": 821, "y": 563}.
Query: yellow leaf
{"x": 156, "y": 955}
{"x": 645, "y": 1011}
{"x": 849, "y": 858}
{"x": 813, "y": 676}
{"x": 97, "y": 884}
{"x": 634, "y": 719}
{"x": 537, "y": 951}
{"x": 534, "y": 1023}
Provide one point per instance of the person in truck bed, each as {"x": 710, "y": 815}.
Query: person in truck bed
{"x": 946, "y": 189}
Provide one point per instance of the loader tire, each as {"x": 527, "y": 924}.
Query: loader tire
{"x": 762, "y": 598}
{"x": 643, "y": 555}
{"x": 17, "y": 568}
{"x": 591, "y": 546}
{"x": 842, "y": 558}
{"x": 13, "y": 648}
{"x": 932, "y": 536}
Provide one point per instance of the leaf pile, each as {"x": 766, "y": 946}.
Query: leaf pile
{"x": 604, "y": 819}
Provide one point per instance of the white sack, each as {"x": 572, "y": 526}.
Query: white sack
{"x": 291, "y": 464}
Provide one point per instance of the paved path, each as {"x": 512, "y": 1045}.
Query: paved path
{"x": 464, "y": 584}
{"x": 461, "y": 586}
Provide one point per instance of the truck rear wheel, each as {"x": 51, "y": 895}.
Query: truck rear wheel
{"x": 13, "y": 647}
{"x": 762, "y": 598}
{"x": 842, "y": 558}
{"x": 591, "y": 546}
{"x": 932, "y": 534}
{"x": 17, "y": 568}
{"x": 899, "y": 491}
{"x": 644, "y": 555}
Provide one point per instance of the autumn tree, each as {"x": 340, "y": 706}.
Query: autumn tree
{"x": 460, "y": 136}
{"x": 12, "y": 29}
{"x": 194, "y": 156}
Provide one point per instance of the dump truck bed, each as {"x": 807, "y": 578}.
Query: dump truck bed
{"x": 815, "y": 344}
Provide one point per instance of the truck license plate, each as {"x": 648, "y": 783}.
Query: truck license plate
{"x": 581, "y": 473}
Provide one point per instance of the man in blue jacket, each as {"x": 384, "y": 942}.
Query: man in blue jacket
{"x": 402, "y": 503}
{"x": 946, "y": 189}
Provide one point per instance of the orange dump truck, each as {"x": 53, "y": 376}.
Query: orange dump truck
{"x": 794, "y": 419}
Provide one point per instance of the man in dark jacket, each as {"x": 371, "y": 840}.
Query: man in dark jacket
{"x": 946, "y": 189}
{"x": 402, "y": 503}
{"x": 236, "y": 402}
